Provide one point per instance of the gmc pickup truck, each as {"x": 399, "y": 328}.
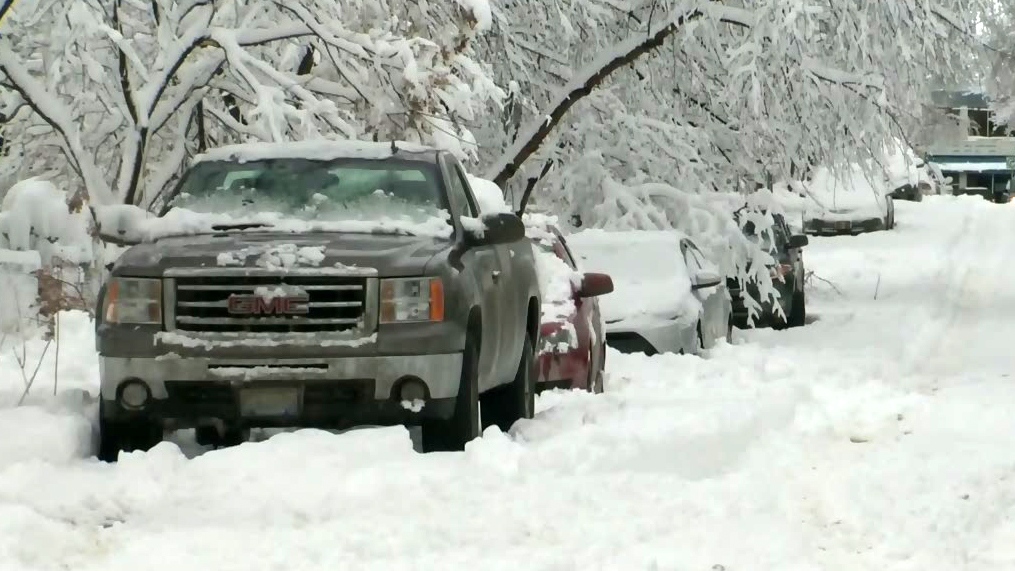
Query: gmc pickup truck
{"x": 316, "y": 284}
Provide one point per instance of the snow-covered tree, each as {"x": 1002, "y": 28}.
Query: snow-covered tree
{"x": 735, "y": 89}
{"x": 997, "y": 33}
{"x": 114, "y": 97}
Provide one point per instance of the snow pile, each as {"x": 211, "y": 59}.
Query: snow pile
{"x": 278, "y": 257}
{"x": 557, "y": 285}
{"x": 54, "y": 429}
{"x": 489, "y": 197}
{"x": 35, "y": 216}
{"x": 41, "y": 231}
{"x": 652, "y": 285}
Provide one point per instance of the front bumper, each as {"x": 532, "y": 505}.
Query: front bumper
{"x": 663, "y": 336}
{"x": 332, "y": 392}
{"x": 837, "y": 227}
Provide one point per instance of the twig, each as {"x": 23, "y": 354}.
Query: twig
{"x": 877, "y": 288}
{"x": 811, "y": 274}
{"x": 56, "y": 364}
{"x": 30, "y": 381}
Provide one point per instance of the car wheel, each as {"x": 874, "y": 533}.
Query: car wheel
{"x": 506, "y": 404}
{"x": 453, "y": 434}
{"x": 798, "y": 310}
{"x": 125, "y": 436}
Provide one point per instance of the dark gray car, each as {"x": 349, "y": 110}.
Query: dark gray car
{"x": 356, "y": 307}
{"x": 787, "y": 273}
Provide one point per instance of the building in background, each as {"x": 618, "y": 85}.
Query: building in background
{"x": 980, "y": 157}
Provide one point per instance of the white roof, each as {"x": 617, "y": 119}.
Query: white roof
{"x": 320, "y": 150}
{"x": 966, "y": 166}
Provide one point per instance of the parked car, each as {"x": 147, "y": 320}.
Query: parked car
{"x": 668, "y": 298}
{"x": 572, "y": 348}
{"x": 787, "y": 273}
{"x": 846, "y": 202}
{"x": 341, "y": 284}
{"x": 571, "y": 351}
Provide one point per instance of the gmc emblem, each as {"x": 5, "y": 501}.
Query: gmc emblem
{"x": 297, "y": 304}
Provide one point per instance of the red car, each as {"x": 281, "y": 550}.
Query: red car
{"x": 572, "y": 347}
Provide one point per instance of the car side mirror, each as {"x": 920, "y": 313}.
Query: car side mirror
{"x": 595, "y": 285}
{"x": 797, "y": 241}
{"x": 705, "y": 279}
{"x": 496, "y": 228}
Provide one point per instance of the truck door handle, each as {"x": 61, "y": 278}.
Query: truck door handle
{"x": 495, "y": 274}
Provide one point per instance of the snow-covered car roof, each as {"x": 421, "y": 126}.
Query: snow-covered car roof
{"x": 846, "y": 190}
{"x": 323, "y": 150}
{"x": 649, "y": 274}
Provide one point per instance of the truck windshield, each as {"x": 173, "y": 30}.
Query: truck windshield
{"x": 311, "y": 189}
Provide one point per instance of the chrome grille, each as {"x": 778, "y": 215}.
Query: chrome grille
{"x": 332, "y": 303}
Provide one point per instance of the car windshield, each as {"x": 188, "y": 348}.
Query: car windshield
{"x": 336, "y": 190}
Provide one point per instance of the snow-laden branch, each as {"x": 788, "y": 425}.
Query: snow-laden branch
{"x": 57, "y": 116}
{"x": 584, "y": 82}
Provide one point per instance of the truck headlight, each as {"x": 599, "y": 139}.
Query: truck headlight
{"x": 411, "y": 300}
{"x": 133, "y": 301}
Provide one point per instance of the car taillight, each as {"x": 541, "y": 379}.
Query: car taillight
{"x": 779, "y": 272}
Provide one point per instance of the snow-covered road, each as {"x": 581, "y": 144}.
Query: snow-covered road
{"x": 880, "y": 436}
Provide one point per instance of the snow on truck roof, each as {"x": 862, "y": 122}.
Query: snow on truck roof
{"x": 323, "y": 150}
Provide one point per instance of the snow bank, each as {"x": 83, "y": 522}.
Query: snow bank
{"x": 55, "y": 424}
{"x": 35, "y": 215}
{"x": 652, "y": 284}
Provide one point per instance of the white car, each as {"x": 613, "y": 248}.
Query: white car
{"x": 847, "y": 202}
{"x": 668, "y": 297}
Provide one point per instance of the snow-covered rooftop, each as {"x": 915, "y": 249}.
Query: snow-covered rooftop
{"x": 322, "y": 150}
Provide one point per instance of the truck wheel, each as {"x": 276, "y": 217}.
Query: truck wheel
{"x": 452, "y": 434}
{"x": 798, "y": 310}
{"x": 209, "y": 436}
{"x": 125, "y": 436}
{"x": 504, "y": 405}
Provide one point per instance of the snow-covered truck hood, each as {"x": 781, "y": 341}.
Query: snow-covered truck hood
{"x": 387, "y": 255}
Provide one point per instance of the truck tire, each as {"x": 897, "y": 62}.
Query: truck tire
{"x": 452, "y": 434}
{"x": 506, "y": 404}
{"x": 128, "y": 436}
{"x": 798, "y": 310}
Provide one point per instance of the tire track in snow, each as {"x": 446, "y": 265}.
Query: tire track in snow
{"x": 919, "y": 358}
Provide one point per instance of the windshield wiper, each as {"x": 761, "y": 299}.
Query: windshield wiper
{"x": 244, "y": 226}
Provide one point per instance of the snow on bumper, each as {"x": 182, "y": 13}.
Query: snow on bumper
{"x": 378, "y": 376}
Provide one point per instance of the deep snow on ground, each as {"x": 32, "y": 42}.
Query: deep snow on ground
{"x": 880, "y": 436}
